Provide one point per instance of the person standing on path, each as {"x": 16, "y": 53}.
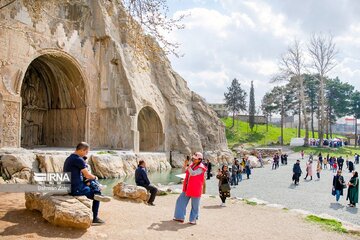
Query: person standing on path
{"x": 353, "y": 190}
{"x": 224, "y": 187}
{"x": 209, "y": 167}
{"x": 351, "y": 166}
{"x": 338, "y": 185}
{"x": 142, "y": 180}
{"x": 234, "y": 170}
{"x": 296, "y": 172}
{"x": 340, "y": 162}
{"x": 321, "y": 160}
{"x": 302, "y": 154}
{"x": 275, "y": 161}
{"x": 192, "y": 189}
{"x": 260, "y": 159}
{"x": 318, "y": 169}
{"x": 308, "y": 170}
{"x": 239, "y": 172}
{"x": 248, "y": 168}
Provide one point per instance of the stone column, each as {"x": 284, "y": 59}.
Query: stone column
{"x": 11, "y": 121}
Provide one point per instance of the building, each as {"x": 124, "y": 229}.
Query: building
{"x": 220, "y": 109}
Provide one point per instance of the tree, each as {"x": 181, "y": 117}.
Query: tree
{"x": 292, "y": 65}
{"x": 267, "y": 107}
{"x": 355, "y": 111}
{"x": 145, "y": 24}
{"x": 311, "y": 84}
{"x": 338, "y": 95}
{"x": 252, "y": 107}
{"x": 323, "y": 52}
{"x": 235, "y": 99}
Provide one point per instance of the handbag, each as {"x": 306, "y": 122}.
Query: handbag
{"x": 225, "y": 187}
{"x": 333, "y": 192}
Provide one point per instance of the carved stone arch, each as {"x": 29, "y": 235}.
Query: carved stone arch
{"x": 54, "y": 101}
{"x": 151, "y": 131}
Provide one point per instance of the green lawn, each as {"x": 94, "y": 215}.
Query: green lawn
{"x": 241, "y": 133}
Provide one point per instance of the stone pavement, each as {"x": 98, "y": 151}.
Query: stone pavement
{"x": 275, "y": 186}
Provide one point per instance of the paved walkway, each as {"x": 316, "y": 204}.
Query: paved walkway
{"x": 275, "y": 186}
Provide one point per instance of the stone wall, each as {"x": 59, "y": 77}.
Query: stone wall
{"x": 67, "y": 76}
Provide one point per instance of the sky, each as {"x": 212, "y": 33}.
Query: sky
{"x": 244, "y": 39}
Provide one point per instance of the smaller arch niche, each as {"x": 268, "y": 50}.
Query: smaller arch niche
{"x": 151, "y": 132}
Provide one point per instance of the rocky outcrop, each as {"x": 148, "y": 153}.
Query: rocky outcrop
{"x": 65, "y": 211}
{"x": 121, "y": 164}
{"x": 18, "y": 165}
{"x": 254, "y": 162}
{"x": 51, "y": 162}
{"x": 268, "y": 152}
{"x": 215, "y": 157}
{"x": 123, "y": 191}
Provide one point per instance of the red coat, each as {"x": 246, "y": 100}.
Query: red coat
{"x": 193, "y": 185}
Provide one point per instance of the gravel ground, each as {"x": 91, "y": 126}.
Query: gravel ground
{"x": 275, "y": 186}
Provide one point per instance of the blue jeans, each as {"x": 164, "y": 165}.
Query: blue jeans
{"x": 337, "y": 194}
{"x": 181, "y": 204}
{"x": 234, "y": 180}
{"x": 239, "y": 177}
{"x": 89, "y": 193}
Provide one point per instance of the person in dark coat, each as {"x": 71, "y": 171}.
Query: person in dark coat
{"x": 296, "y": 172}
{"x": 338, "y": 185}
{"x": 224, "y": 179}
{"x": 340, "y": 162}
{"x": 351, "y": 166}
{"x": 208, "y": 165}
{"x": 353, "y": 191}
{"x": 142, "y": 180}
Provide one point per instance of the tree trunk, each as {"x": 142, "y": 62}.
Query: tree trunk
{"x": 267, "y": 123}
{"x": 312, "y": 122}
{"x": 233, "y": 120}
{"x": 302, "y": 99}
{"x": 327, "y": 121}
{"x": 321, "y": 106}
{"x": 282, "y": 123}
{"x": 356, "y": 138}
{"x": 299, "y": 111}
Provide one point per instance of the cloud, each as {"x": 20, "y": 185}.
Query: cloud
{"x": 228, "y": 39}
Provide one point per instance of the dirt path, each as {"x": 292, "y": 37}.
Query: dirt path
{"x": 125, "y": 220}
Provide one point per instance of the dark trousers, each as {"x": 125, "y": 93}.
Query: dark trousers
{"x": 223, "y": 199}
{"x": 208, "y": 174}
{"x": 153, "y": 190}
{"x": 89, "y": 193}
{"x": 340, "y": 166}
{"x": 318, "y": 174}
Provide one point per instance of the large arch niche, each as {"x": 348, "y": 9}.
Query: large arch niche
{"x": 150, "y": 131}
{"x": 53, "y": 103}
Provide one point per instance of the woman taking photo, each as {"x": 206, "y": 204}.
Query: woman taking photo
{"x": 224, "y": 187}
{"x": 353, "y": 191}
{"x": 338, "y": 185}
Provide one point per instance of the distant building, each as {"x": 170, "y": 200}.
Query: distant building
{"x": 220, "y": 109}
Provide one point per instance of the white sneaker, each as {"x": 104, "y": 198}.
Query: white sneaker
{"x": 222, "y": 205}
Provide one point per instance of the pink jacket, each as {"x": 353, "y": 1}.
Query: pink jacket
{"x": 309, "y": 169}
{"x": 193, "y": 185}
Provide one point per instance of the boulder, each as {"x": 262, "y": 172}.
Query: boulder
{"x": 51, "y": 162}
{"x": 125, "y": 191}
{"x": 21, "y": 164}
{"x": 268, "y": 152}
{"x": 254, "y": 162}
{"x": 65, "y": 211}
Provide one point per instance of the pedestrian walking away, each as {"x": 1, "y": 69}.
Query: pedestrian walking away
{"x": 309, "y": 170}
{"x": 296, "y": 172}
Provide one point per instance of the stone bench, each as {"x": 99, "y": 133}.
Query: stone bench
{"x": 65, "y": 210}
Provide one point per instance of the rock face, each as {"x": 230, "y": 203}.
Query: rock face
{"x": 73, "y": 77}
{"x": 65, "y": 211}
{"x": 51, "y": 162}
{"x": 130, "y": 192}
{"x": 18, "y": 165}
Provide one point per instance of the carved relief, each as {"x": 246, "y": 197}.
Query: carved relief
{"x": 10, "y": 129}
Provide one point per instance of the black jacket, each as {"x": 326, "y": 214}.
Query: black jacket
{"x": 141, "y": 178}
{"x": 297, "y": 169}
{"x": 338, "y": 182}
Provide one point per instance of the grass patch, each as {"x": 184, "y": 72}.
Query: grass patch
{"x": 252, "y": 203}
{"x": 329, "y": 224}
{"x": 342, "y": 151}
{"x": 285, "y": 209}
{"x": 107, "y": 152}
{"x": 212, "y": 196}
{"x": 241, "y": 134}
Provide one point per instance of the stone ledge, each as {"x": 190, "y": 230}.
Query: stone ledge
{"x": 64, "y": 211}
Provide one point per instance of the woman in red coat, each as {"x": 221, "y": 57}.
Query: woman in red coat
{"x": 192, "y": 189}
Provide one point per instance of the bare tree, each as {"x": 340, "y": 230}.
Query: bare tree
{"x": 145, "y": 24}
{"x": 292, "y": 66}
{"x": 323, "y": 51}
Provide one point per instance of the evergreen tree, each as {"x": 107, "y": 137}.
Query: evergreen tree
{"x": 235, "y": 99}
{"x": 252, "y": 107}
